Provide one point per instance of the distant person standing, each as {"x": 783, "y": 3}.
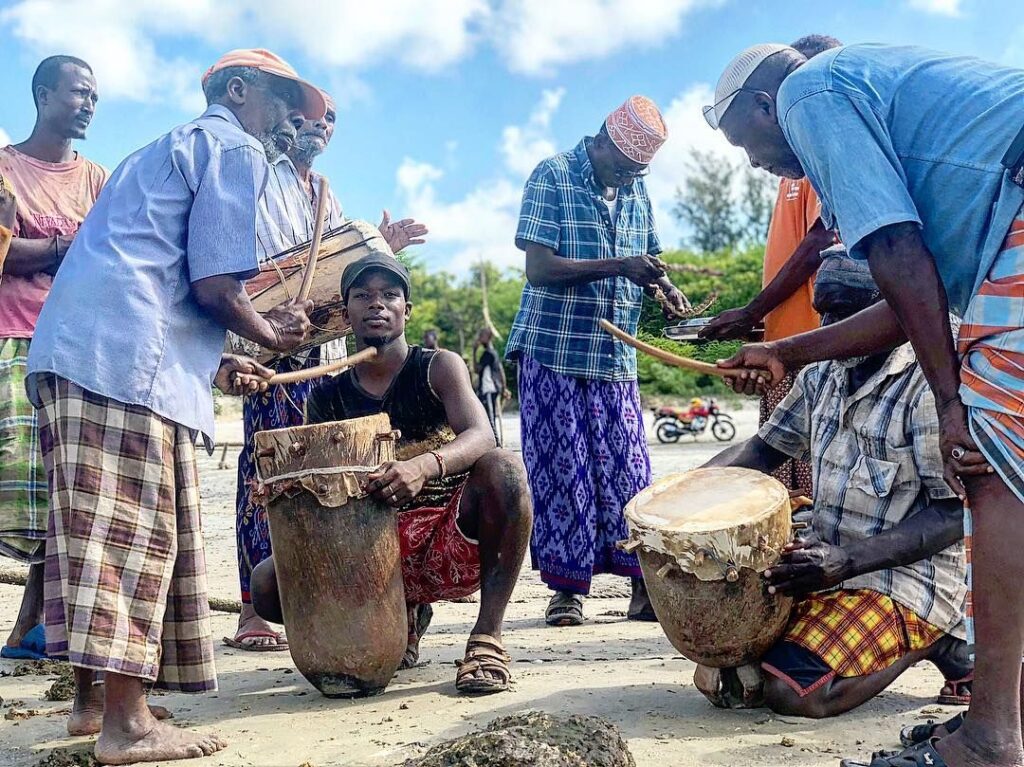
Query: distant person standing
{"x": 430, "y": 340}
{"x": 490, "y": 379}
{"x": 587, "y": 227}
{"x": 55, "y": 188}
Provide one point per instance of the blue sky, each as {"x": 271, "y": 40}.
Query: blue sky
{"x": 446, "y": 105}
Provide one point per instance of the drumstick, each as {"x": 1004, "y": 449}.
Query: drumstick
{"x": 669, "y": 357}
{"x": 310, "y": 373}
{"x": 314, "y": 245}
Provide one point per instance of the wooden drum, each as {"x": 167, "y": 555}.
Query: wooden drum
{"x": 704, "y": 537}
{"x": 281, "y": 278}
{"x": 336, "y": 552}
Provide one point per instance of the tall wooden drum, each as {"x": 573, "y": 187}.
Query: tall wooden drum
{"x": 336, "y": 553}
{"x": 704, "y": 537}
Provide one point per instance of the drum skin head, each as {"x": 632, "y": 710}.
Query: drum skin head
{"x": 713, "y": 519}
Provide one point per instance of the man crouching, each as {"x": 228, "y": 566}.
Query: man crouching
{"x": 880, "y": 579}
{"x": 464, "y": 506}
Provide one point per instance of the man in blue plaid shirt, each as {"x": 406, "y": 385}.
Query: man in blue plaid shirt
{"x": 587, "y": 228}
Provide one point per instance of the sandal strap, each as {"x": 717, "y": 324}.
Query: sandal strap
{"x": 482, "y": 642}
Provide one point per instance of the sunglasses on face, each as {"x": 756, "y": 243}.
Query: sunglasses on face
{"x": 711, "y": 113}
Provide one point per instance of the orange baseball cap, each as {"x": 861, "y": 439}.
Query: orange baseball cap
{"x": 313, "y": 105}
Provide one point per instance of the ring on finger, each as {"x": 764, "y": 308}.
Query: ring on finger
{"x": 958, "y": 453}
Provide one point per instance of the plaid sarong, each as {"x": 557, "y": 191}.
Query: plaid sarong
{"x": 991, "y": 345}
{"x": 125, "y": 587}
{"x": 23, "y": 508}
{"x": 858, "y": 632}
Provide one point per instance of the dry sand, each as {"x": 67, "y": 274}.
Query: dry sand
{"x": 625, "y": 672}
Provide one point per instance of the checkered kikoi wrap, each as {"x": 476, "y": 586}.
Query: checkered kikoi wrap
{"x": 858, "y": 632}
{"x": 991, "y": 345}
{"x": 23, "y": 508}
{"x": 125, "y": 583}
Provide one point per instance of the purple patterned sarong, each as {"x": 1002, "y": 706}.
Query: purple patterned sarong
{"x": 586, "y": 456}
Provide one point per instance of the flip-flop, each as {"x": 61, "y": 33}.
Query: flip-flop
{"x": 919, "y": 733}
{"x": 921, "y": 755}
{"x": 238, "y": 642}
{"x": 564, "y": 609}
{"x": 960, "y": 691}
{"x": 32, "y": 647}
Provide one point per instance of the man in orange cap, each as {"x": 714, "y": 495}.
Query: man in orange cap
{"x": 121, "y": 365}
{"x": 588, "y": 231}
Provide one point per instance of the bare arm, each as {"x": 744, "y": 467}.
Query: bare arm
{"x": 801, "y": 266}
{"x": 812, "y": 565}
{"x": 473, "y": 435}
{"x": 27, "y": 257}
{"x": 546, "y": 269}
{"x": 753, "y": 453}
{"x": 224, "y": 298}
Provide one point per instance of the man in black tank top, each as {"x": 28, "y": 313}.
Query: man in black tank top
{"x": 464, "y": 506}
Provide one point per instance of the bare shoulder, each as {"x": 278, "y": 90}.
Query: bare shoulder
{"x": 447, "y": 371}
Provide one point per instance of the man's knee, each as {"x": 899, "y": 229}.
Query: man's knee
{"x": 263, "y": 587}
{"x": 502, "y": 473}
{"x": 783, "y": 699}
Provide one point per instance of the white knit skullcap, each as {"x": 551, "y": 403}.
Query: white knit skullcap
{"x": 738, "y": 72}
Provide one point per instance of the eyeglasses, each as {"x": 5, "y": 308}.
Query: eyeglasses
{"x": 710, "y": 112}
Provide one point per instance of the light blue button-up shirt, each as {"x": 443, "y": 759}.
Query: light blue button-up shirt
{"x": 891, "y": 134}
{"x": 121, "y": 320}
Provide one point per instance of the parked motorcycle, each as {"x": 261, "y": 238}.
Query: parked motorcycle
{"x": 671, "y": 423}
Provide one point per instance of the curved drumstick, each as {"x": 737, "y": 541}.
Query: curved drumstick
{"x": 670, "y": 358}
{"x": 321, "y": 370}
{"x": 314, "y": 245}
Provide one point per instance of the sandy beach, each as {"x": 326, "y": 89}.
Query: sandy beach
{"x": 625, "y": 672}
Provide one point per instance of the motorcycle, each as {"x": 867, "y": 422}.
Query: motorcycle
{"x": 671, "y": 423}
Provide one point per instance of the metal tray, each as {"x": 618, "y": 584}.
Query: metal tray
{"x": 686, "y": 330}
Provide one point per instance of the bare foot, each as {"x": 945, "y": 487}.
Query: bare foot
{"x": 89, "y": 720}
{"x": 162, "y": 743}
{"x": 260, "y": 633}
{"x": 966, "y": 748}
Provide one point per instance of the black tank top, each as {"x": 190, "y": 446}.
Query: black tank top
{"x": 411, "y": 404}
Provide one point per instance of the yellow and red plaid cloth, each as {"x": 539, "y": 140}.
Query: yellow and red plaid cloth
{"x": 858, "y": 632}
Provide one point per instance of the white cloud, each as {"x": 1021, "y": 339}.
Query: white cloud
{"x": 938, "y": 7}
{"x": 535, "y": 36}
{"x": 523, "y": 146}
{"x": 687, "y": 130}
{"x": 480, "y": 225}
{"x": 120, "y": 42}
{"x": 5, "y": 138}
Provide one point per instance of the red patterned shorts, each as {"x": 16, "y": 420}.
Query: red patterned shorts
{"x": 438, "y": 561}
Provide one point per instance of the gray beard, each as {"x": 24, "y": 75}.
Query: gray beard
{"x": 305, "y": 152}
{"x": 270, "y": 146}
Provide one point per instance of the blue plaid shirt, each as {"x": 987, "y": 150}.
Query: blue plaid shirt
{"x": 563, "y": 210}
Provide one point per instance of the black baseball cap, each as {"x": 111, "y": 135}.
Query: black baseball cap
{"x": 375, "y": 260}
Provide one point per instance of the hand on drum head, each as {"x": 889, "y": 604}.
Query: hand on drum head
{"x": 241, "y": 375}
{"x": 761, "y": 369}
{"x": 808, "y": 565}
{"x": 397, "y": 482}
{"x": 289, "y": 324}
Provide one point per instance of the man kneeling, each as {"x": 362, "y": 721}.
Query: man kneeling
{"x": 880, "y": 579}
{"x": 464, "y": 506}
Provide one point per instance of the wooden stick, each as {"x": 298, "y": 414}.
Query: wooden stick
{"x": 309, "y": 373}
{"x": 669, "y": 358}
{"x": 314, "y": 246}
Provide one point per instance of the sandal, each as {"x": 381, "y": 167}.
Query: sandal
{"x": 238, "y": 642}
{"x": 418, "y": 626}
{"x": 957, "y": 692}
{"x": 921, "y": 755}
{"x": 920, "y": 733}
{"x": 564, "y": 609}
{"x": 485, "y": 669}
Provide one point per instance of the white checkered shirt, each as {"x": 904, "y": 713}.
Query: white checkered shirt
{"x": 875, "y": 460}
